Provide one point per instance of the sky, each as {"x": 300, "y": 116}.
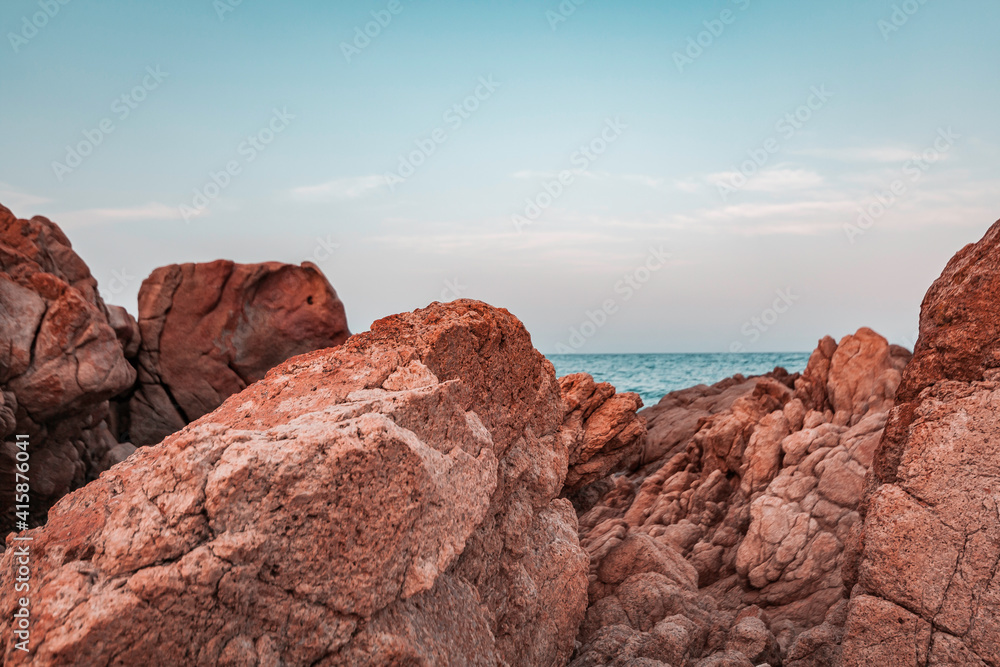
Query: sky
{"x": 629, "y": 176}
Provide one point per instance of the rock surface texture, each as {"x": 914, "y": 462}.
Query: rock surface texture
{"x": 68, "y": 361}
{"x": 394, "y": 501}
{"x": 725, "y": 545}
{"x": 928, "y": 581}
{"x": 209, "y": 330}
{"x": 62, "y": 356}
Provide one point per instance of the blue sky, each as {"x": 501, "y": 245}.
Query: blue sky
{"x": 807, "y": 113}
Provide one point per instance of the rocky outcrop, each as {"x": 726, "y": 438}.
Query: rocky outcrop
{"x": 928, "y": 581}
{"x": 725, "y": 546}
{"x": 209, "y": 330}
{"x": 206, "y": 332}
{"x": 605, "y": 433}
{"x": 62, "y": 357}
{"x": 391, "y": 501}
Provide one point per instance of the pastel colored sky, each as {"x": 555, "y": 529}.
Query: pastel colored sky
{"x": 116, "y": 115}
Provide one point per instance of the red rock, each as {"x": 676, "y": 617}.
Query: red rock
{"x": 209, "y": 330}
{"x": 925, "y": 563}
{"x": 756, "y": 487}
{"x": 610, "y": 434}
{"x": 59, "y": 363}
{"x": 390, "y": 501}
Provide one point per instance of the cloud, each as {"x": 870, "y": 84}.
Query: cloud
{"x": 643, "y": 179}
{"x": 773, "y": 180}
{"x": 341, "y": 188}
{"x": 17, "y": 200}
{"x": 102, "y": 216}
{"x": 691, "y": 185}
{"x": 873, "y": 154}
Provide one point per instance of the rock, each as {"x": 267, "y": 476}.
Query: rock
{"x": 60, "y": 362}
{"x": 725, "y": 659}
{"x": 959, "y": 336}
{"x": 853, "y": 389}
{"x": 751, "y": 637}
{"x": 209, "y": 330}
{"x": 674, "y": 420}
{"x": 610, "y": 435}
{"x": 391, "y": 501}
{"x": 740, "y": 511}
{"x": 928, "y": 586}
{"x": 126, "y": 329}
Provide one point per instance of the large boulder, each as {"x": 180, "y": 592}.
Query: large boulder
{"x": 61, "y": 359}
{"x": 391, "y": 501}
{"x": 209, "y": 330}
{"x": 928, "y": 585}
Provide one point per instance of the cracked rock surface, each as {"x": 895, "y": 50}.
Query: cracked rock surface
{"x": 62, "y": 356}
{"x": 926, "y": 569}
{"x": 209, "y": 330}
{"x": 723, "y": 544}
{"x": 391, "y": 501}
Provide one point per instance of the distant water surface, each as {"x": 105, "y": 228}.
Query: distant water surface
{"x": 653, "y": 375}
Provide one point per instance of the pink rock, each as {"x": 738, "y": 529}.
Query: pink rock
{"x": 926, "y": 559}
{"x": 209, "y": 330}
{"x": 60, "y": 362}
{"x": 390, "y": 501}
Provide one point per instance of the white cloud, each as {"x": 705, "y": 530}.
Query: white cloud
{"x": 100, "y": 216}
{"x": 872, "y": 154}
{"x": 641, "y": 179}
{"x": 773, "y": 180}
{"x": 341, "y": 188}
{"x": 691, "y": 185}
{"x": 17, "y": 201}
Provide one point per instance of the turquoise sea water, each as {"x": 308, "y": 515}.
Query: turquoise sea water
{"x": 653, "y": 375}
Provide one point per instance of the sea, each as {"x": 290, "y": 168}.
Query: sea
{"x": 654, "y": 375}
